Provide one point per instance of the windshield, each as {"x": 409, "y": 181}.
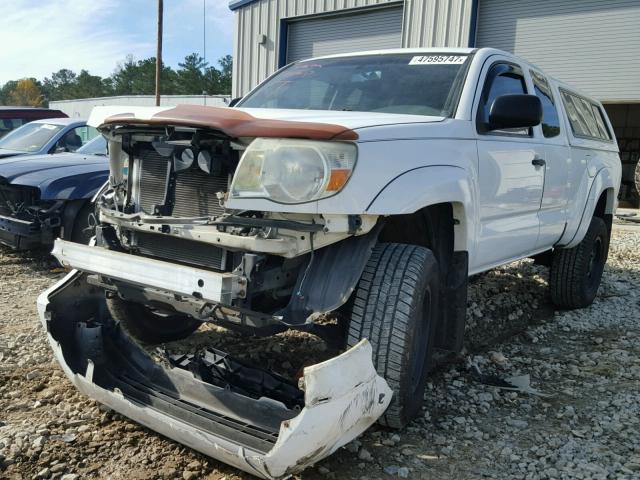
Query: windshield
{"x": 30, "y": 137}
{"x": 406, "y": 83}
{"x": 97, "y": 146}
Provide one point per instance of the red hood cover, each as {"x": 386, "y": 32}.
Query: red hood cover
{"x": 236, "y": 123}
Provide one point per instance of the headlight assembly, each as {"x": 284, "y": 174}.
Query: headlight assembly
{"x": 292, "y": 170}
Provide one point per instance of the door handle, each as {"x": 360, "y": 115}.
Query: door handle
{"x": 538, "y": 162}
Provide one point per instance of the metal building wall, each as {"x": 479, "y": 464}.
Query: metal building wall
{"x": 427, "y": 23}
{"x": 437, "y": 23}
{"x": 254, "y": 62}
{"x": 592, "y": 45}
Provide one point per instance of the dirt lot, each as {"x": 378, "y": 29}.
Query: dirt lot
{"x": 585, "y": 363}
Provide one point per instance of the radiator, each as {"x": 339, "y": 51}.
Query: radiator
{"x": 180, "y": 250}
{"x": 195, "y": 191}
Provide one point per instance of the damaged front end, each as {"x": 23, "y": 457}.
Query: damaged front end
{"x": 25, "y": 221}
{"x": 171, "y": 254}
{"x": 246, "y": 417}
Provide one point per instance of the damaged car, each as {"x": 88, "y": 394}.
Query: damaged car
{"x": 368, "y": 185}
{"x": 47, "y": 197}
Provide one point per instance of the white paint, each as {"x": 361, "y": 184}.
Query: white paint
{"x": 81, "y": 108}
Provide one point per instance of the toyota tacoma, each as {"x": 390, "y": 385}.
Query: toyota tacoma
{"x": 370, "y": 184}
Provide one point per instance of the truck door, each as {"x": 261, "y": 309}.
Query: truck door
{"x": 558, "y": 164}
{"x": 511, "y": 174}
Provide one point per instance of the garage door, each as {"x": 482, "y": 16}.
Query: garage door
{"x": 371, "y": 30}
{"x": 591, "y": 44}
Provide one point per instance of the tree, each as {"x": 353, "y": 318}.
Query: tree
{"x": 139, "y": 78}
{"x": 26, "y": 93}
{"x": 131, "y": 77}
{"x": 226, "y": 63}
{"x": 88, "y": 86}
{"x": 61, "y": 85}
{"x": 124, "y": 76}
{"x": 190, "y": 76}
{"x": 6, "y": 89}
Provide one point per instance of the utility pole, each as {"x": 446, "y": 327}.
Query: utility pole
{"x": 159, "y": 53}
{"x": 204, "y": 46}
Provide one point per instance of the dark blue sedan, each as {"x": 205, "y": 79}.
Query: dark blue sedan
{"x": 48, "y": 196}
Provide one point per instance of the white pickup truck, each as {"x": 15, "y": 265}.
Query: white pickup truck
{"x": 366, "y": 186}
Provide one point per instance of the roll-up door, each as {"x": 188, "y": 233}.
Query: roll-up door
{"x": 348, "y": 32}
{"x": 593, "y": 45}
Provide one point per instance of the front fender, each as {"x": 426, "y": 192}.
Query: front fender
{"x": 76, "y": 187}
{"x": 430, "y": 185}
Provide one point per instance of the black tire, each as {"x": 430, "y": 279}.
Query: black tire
{"x": 395, "y": 308}
{"x": 636, "y": 178}
{"x": 576, "y": 272}
{"x": 148, "y": 326}
{"x": 84, "y": 229}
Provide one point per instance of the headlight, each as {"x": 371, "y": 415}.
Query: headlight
{"x": 293, "y": 171}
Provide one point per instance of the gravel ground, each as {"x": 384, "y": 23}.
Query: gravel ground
{"x": 584, "y": 423}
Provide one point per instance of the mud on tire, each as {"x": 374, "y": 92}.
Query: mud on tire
{"x": 576, "y": 272}
{"x": 395, "y": 307}
{"x": 148, "y": 326}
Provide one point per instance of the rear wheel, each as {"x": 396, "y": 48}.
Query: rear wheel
{"x": 150, "y": 326}
{"x": 636, "y": 178}
{"x": 395, "y": 308}
{"x": 576, "y": 272}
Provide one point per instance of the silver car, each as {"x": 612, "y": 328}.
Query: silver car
{"x": 51, "y": 135}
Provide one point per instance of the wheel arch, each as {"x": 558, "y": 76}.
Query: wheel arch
{"x": 601, "y": 202}
{"x": 427, "y": 189}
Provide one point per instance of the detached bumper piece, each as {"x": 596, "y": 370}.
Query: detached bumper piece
{"x": 23, "y": 234}
{"x": 246, "y": 417}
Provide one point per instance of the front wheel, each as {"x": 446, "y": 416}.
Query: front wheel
{"x": 395, "y": 308}
{"x": 84, "y": 226}
{"x": 149, "y": 326}
{"x": 576, "y": 272}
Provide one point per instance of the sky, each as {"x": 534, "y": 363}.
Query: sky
{"x": 38, "y": 37}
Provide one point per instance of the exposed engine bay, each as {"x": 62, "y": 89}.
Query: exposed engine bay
{"x": 167, "y": 202}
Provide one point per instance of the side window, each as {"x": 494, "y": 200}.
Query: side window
{"x": 502, "y": 79}
{"x": 550, "y": 119}
{"x": 77, "y": 137}
{"x": 585, "y": 118}
{"x": 602, "y": 126}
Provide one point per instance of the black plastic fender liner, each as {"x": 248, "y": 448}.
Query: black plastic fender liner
{"x": 343, "y": 396}
{"x": 330, "y": 277}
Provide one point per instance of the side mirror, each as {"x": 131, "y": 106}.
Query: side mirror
{"x": 234, "y": 101}
{"x": 515, "y": 111}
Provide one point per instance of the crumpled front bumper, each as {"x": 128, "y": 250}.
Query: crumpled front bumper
{"x": 343, "y": 396}
{"x": 22, "y": 234}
